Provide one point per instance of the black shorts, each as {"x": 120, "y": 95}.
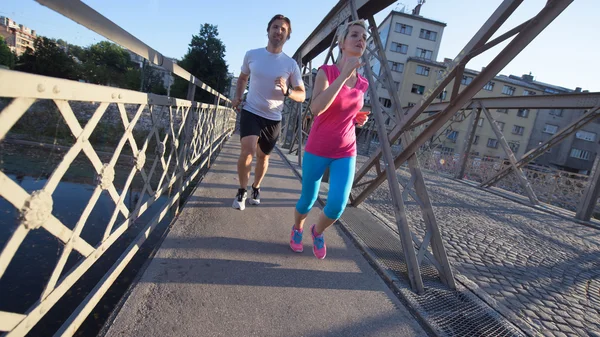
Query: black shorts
{"x": 267, "y": 130}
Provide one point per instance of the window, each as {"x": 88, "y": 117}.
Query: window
{"x": 500, "y": 125}
{"x": 386, "y": 102}
{"x": 480, "y": 121}
{"x": 446, "y": 150}
{"x": 417, "y": 89}
{"x": 523, "y": 113}
{"x": 528, "y": 93}
{"x": 421, "y": 70}
{"x": 514, "y": 146}
{"x": 475, "y": 140}
{"x": 504, "y": 111}
{"x": 489, "y": 86}
{"x": 551, "y": 129}
{"x": 403, "y": 29}
{"x": 556, "y": 112}
{"x": 493, "y": 143}
{"x": 466, "y": 80}
{"x": 580, "y": 154}
{"x": 399, "y": 48}
{"x": 424, "y": 53}
{"x": 452, "y": 135}
{"x": 518, "y": 130}
{"x": 585, "y": 135}
{"x": 428, "y": 35}
{"x": 394, "y": 66}
{"x": 508, "y": 90}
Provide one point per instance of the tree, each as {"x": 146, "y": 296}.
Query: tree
{"x": 7, "y": 58}
{"x": 48, "y": 59}
{"x": 107, "y": 64}
{"x": 152, "y": 81}
{"x": 205, "y": 59}
{"x": 76, "y": 51}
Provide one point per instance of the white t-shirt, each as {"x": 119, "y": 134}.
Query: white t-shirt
{"x": 264, "y": 98}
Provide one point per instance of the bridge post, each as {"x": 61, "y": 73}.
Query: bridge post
{"x": 590, "y": 196}
{"x": 467, "y": 151}
{"x": 511, "y": 157}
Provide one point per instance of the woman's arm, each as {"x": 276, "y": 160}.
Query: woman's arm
{"x": 324, "y": 93}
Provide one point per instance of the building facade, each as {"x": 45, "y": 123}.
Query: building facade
{"x": 577, "y": 152}
{"x": 516, "y": 124}
{"x": 17, "y": 37}
{"x": 524, "y": 129}
{"x": 404, "y": 36}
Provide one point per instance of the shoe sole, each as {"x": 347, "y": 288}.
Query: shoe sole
{"x": 254, "y": 201}
{"x": 320, "y": 258}
{"x": 297, "y": 251}
{"x": 237, "y": 205}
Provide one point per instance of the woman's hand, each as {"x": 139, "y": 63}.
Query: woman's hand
{"x": 361, "y": 118}
{"x": 348, "y": 68}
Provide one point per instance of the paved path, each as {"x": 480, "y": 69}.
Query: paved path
{"x": 222, "y": 272}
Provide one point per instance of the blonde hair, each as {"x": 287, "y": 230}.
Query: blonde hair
{"x": 345, "y": 29}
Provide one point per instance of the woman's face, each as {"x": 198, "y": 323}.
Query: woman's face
{"x": 355, "y": 42}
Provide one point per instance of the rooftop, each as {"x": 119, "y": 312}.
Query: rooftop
{"x": 415, "y": 17}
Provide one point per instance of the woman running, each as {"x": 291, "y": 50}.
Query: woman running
{"x": 338, "y": 96}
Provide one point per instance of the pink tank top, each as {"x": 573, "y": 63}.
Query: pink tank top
{"x": 332, "y": 134}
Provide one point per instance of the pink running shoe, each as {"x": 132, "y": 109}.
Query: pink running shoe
{"x": 296, "y": 240}
{"x": 319, "y": 248}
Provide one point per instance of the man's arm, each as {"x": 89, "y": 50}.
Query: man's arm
{"x": 298, "y": 93}
{"x": 239, "y": 89}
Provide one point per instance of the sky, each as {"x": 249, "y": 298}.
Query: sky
{"x": 564, "y": 54}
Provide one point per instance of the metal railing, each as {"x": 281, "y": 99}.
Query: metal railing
{"x": 162, "y": 145}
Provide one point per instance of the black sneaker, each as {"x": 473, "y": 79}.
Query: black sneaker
{"x": 255, "y": 197}
{"x": 240, "y": 199}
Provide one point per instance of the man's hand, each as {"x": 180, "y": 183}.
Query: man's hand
{"x": 282, "y": 84}
{"x": 237, "y": 104}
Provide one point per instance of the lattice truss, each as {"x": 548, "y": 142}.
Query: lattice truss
{"x": 415, "y": 132}
{"x": 181, "y": 143}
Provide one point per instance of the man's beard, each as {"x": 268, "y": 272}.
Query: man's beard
{"x": 277, "y": 43}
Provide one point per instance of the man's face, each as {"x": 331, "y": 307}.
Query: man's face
{"x": 278, "y": 32}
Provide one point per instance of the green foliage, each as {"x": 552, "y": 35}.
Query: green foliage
{"x": 48, "y": 59}
{"x": 205, "y": 59}
{"x": 7, "y": 58}
{"x": 106, "y": 63}
{"x": 103, "y": 63}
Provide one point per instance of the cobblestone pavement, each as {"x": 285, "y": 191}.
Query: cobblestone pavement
{"x": 543, "y": 268}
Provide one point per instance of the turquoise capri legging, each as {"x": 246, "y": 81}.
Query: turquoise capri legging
{"x": 341, "y": 175}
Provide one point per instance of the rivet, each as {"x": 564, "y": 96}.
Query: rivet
{"x": 114, "y": 96}
{"x": 41, "y": 88}
{"x": 56, "y": 89}
{"x": 120, "y": 96}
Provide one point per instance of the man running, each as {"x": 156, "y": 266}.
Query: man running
{"x": 269, "y": 70}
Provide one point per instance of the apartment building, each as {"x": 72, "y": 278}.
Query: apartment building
{"x": 524, "y": 129}
{"x": 577, "y": 152}
{"x": 403, "y": 36}
{"x": 17, "y": 37}
{"x": 516, "y": 124}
